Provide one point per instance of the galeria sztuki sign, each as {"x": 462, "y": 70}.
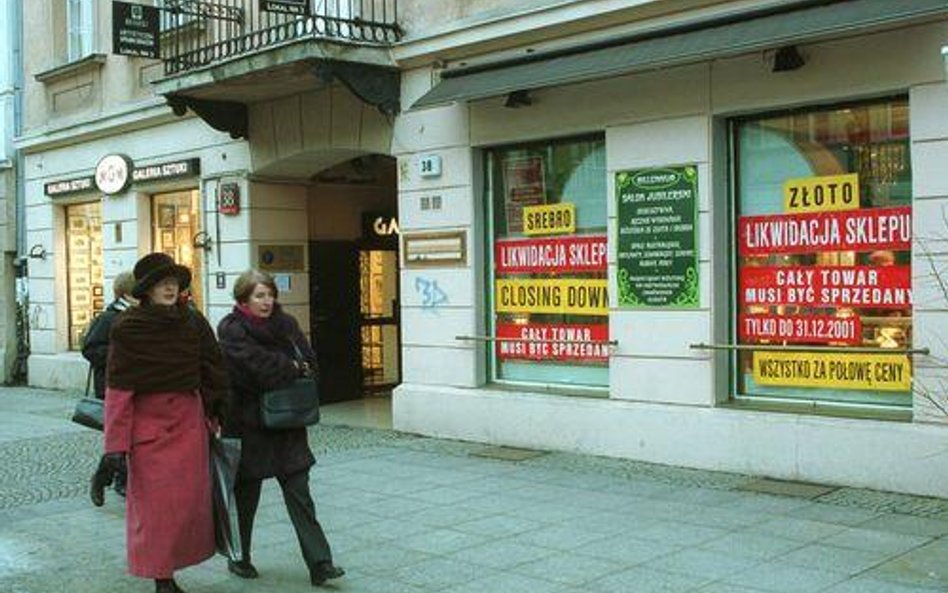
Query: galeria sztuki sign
{"x": 135, "y": 30}
{"x": 115, "y": 172}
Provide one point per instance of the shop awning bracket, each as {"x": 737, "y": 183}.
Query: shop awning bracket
{"x": 224, "y": 116}
{"x": 375, "y": 85}
{"x": 800, "y": 348}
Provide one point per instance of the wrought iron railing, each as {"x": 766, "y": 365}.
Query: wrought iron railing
{"x": 199, "y": 33}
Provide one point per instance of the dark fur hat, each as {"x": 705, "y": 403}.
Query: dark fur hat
{"x": 155, "y": 267}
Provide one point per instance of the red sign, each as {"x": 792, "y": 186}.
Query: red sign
{"x": 820, "y": 329}
{"x": 228, "y": 198}
{"x": 852, "y": 230}
{"x": 555, "y": 342}
{"x": 563, "y": 254}
{"x": 825, "y": 286}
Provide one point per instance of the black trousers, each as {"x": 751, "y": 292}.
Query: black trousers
{"x": 299, "y": 505}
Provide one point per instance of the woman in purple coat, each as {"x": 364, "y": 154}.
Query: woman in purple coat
{"x": 264, "y": 349}
{"x": 166, "y": 388}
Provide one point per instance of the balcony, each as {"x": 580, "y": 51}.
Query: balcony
{"x": 219, "y": 56}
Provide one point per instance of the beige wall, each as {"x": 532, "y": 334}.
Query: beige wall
{"x": 77, "y": 91}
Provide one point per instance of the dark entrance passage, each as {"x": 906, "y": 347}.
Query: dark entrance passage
{"x": 335, "y": 318}
{"x": 354, "y": 310}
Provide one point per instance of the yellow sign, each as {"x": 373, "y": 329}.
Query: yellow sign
{"x": 828, "y": 193}
{"x": 553, "y": 295}
{"x": 551, "y": 219}
{"x": 882, "y": 372}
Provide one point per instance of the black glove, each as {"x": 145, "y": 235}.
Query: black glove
{"x": 116, "y": 463}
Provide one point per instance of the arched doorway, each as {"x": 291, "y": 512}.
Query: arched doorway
{"x": 354, "y": 292}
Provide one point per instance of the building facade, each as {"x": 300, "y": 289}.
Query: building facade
{"x": 691, "y": 232}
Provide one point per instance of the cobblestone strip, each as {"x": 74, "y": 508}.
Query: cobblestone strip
{"x": 47, "y": 468}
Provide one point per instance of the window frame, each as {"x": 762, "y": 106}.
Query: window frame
{"x": 492, "y": 366}
{"x": 81, "y": 33}
{"x": 817, "y": 405}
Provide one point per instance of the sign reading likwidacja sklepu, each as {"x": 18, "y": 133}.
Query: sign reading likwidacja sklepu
{"x": 657, "y": 244}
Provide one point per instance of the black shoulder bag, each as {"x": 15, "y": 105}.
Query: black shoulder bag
{"x": 293, "y": 406}
{"x": 89, "y": 411}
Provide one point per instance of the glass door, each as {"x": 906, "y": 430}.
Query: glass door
{"x": 378, "y": 279}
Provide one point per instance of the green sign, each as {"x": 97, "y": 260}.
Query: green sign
{"x": 657, "y": 237}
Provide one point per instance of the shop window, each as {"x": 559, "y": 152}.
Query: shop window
{"x": 823, "y": 282}
{"x": 176, "y": 223}
{"x": 80, "y": 19}
{"x": 84, "y": 276}
{"x": 549, "y": 312}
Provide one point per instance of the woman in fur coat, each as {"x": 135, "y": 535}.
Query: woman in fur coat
{"x": 165, "y": 390}
{"x": 264, "y": 349}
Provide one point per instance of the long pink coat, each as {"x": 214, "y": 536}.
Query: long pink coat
{"x": 168, "y": 518}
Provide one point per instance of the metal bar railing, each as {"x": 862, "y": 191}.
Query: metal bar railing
{"x": 199, "y": 33}
{"x": 800, "y": 348}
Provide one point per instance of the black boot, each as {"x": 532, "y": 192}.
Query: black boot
{"x": 325, "y": 571}
{"x": 244, "y": 569}
{"x": 167, "y": 586}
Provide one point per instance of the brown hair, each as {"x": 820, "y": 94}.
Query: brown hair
{"x": 123, "y": 284}
{"x": 249, "y": 280}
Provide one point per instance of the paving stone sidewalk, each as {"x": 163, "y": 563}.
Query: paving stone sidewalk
{"x": 415, "y": 515}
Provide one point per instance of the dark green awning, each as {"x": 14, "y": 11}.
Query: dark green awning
{"x": 754, "y": 34}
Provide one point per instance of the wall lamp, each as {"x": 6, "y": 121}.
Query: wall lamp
{"x": 202, "y": 240}
{"x": 518, "y": 99}
{"x": 37, "y": 252}
{"x": 787, "y": 59}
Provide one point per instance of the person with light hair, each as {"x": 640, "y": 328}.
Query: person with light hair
{"x": 95, "y": 349}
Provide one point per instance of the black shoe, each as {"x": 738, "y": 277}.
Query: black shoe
{"x": 325, "y": 571}
{"x": 167, "y": 586}
{"x": 244, "y": 569}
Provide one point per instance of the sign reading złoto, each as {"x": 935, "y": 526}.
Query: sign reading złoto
{"x": 827, "y": 193}
{"x": 657, "y": 229}
{"x": 135, "y": 30}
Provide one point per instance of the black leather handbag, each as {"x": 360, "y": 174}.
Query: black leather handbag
{"x": 89, "y": 412}
{"x": 293, "y": 406}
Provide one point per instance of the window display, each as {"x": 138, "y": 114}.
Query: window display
{"x": 824, "y": 240}
{"x": 84, "y": 275}
{"x": 547, "y": 268}
{"x": 175, "y": 224}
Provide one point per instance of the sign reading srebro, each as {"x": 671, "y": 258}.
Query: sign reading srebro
{"x": 657, "y": 229}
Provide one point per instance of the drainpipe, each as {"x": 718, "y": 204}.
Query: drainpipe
{"x": 20, "y": 263}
